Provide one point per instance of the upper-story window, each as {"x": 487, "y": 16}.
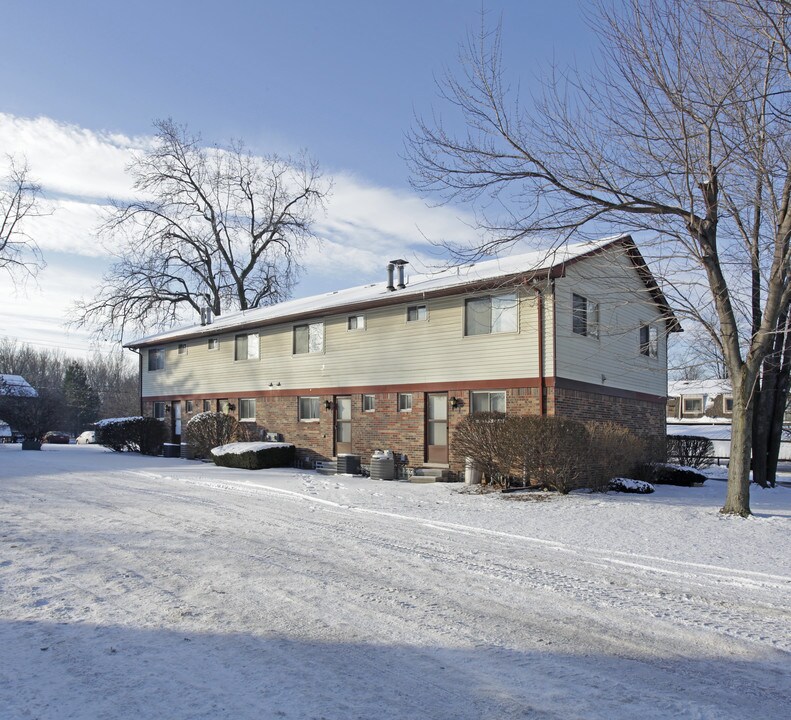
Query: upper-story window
{"x": 649, "y": 340}
{"x": 182, "y": 348}
{"x": 355, "y": 322}
{"x": 491, "y": 314}
{"x": 309, "y": 338}
{"x": 156, "y": 359}
{"x": 246, "y": 347}
{"x": 416, "y": 312}
{"x": 584, "y": 316}
{"x": 213, "y": 343}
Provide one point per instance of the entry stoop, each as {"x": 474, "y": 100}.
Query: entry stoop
{"x": 430, "y": 475}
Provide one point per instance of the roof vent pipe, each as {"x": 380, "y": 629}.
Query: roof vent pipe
{"x": 390, "y": 268}
{"x": 205, "y": 316}
{"x": 400, "y": 265}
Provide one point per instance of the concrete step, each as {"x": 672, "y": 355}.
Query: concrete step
{"x": 432, "y": 472}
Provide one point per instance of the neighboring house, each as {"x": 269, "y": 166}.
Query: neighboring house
{"x": 15, "y": 386}
{"x": 579, "y": 332}
{"x": 694, "y": 399}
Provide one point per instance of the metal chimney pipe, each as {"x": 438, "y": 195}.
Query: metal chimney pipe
{"x": 401, "y": 284}
{"x": 390, "y": 268}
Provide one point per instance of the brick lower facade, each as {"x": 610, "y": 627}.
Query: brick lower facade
{"x": 405, "y": 432}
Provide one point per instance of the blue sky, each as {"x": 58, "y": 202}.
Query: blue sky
{"x": 83, "y": 81}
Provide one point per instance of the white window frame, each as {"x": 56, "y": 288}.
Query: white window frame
{"x": 358, "y": 321}
{"x": 213, "y": 344}
{"x": 246, "y": 417}
{"x": 310, "y": 417}
{"x": 156, "y": 357}
{"x": 369, "y": 403}
{"x": 182, "y": 349}
{"x": 252, "y": 345}
{"x": 207, "y": 406}
{"x": 189, "y": 407}
{"x": 589, "y": 315}
{"x": 687, "y": 398}
{"x": 506, "y": 301}
{"x": 417, "y": 309}
{"x": 403, "y": 403}
{"x": 315, "y": 336}
{"x": 159, "y": 405}
{"x": 488, "y": 393}
{"x": 725, "y": 400}
{"x": 649, "y": 347}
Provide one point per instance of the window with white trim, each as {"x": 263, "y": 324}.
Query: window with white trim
{"x": 404, "y": 402}
{"x": 487, "y": 401}
{"x": 369, "y": 403}
{"x": 213, "y": 343}
{"x": 190, "y": 407}
{"x": 727, "y": 403}
{"x": 415, "y": 313}
{"x": 491, "y": 314}
{"x": 246, "y": 347}
{"x": 182, "y": 348}
{"x": 247, "y": 409}
{"x": 649, "y": 340}
{"x": 309, "y": 338}
{"x": 207, "y": 406}
{"x": 693, "y": 405}
{"x": 159, "y": 410}
{"x": 584, "y": 316}
{"x": 156, "y": 359}
{"x": 355, "y": 322}
{"x": 308, "y": 409}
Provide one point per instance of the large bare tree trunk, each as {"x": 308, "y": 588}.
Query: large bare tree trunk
{"x": 737, "y": 499}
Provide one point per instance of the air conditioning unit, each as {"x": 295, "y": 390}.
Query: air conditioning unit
{"x": 274, "y": 437}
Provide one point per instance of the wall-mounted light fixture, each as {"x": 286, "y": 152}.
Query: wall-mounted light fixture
{"x": 455, "y": 403}
{"x": 231, "y": 407}
{"x": 167, "y": 408}
{"x": 328, "y": 404}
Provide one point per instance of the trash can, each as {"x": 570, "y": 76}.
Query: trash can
{"x": 187, "y": 451}
{"x": 348, "y": 464}
{"x": 382, "y": 465}
{"x": 171, "y": 450}
{"x": 472, "y": 475}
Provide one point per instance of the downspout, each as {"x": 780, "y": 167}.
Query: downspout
{"x": 541, "y": 382}
{"x": 139, "y": 377}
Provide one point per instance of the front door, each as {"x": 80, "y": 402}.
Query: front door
{"x": 176, "y": 405}
{"x": 437, "y": 428}
{"x": 343, "y": 424}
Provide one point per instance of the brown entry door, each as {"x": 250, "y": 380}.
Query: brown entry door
{"x": 437, "y": 428}
{"x": 343, "y": 424}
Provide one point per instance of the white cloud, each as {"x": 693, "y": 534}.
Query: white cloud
{"x": 364, "y": 226}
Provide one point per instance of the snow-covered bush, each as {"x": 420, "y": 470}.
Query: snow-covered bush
{"x": 690, "y": 450}
{"x": 627, "y": 485}
{"x": 669, "y": 474}
{"x": 136, "y": 434}
{"x": 208, "y": 430}
{"x": 254, "y": 455}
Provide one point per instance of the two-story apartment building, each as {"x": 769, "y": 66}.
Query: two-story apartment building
{"x": 580, "y": 331}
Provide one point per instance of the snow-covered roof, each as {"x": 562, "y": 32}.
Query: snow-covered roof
{"x": 377, "y": 293}
{"x": 16, "y": 385}
{"x": 676, "y": 388}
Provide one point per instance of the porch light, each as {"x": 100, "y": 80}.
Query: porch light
{"x": 328, "y": 405}
{"x": 455, "y": 403}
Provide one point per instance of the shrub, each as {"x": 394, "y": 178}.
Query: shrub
{"x": 482, "y": 437}
{"x": 690, "y": 450}
{"x": 556, "y": 452}
{"x": 137, "y": 434}
{"x": 667, "y": 474}
{"x": 614, "y": 450}
{"x": 254, "y": 456}
{"x": 208, "y": 430}
{"x": 627, "y": 485}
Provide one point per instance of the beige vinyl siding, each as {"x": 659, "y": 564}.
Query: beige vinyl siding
{"x": 389, "y": 351}
{"x": 613, "y": 359}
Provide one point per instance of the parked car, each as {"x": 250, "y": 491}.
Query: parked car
{"x": 87, "y": 438}
{"x": 57, "y": 436}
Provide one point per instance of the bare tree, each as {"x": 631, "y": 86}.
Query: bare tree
{"x": 19, "y": 201}
{"x": 683, "y": 130}
{"x": 217, "y": 227}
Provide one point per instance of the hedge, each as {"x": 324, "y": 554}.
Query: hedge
{"x": 255, "y": 458}
{"x": 145, "y": 435}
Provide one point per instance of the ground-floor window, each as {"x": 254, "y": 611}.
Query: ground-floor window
{"x": 308, "y": 409}
{"x": 487, "y": 401}
{"x": 369, "y": 403}
{"x": 190, "y": 406}
{"x": 404, "y": 402}
{"x": 159, "y": 410}
{"x": 207, "y": 406}
{"x": 247, "y": 409}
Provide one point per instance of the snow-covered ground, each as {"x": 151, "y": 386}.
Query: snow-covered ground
{"x": 136, "y": 587}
